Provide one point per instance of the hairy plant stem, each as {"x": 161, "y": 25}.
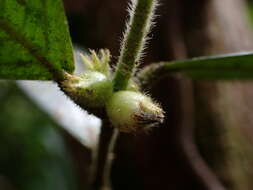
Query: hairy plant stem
{"x": 141, "y": 15}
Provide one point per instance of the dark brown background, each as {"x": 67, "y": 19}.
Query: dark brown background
{"x": 205, "y": 142}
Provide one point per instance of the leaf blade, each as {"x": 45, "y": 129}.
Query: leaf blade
{"x": 227, "y": 66}
{"x": 34, "y": 32}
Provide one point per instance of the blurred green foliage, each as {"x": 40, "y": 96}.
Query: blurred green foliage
{"x": 32, "y": 151}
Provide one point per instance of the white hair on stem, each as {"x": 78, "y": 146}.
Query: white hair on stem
{"x": 140, "y": 21}
{"x": 149, "y": 26}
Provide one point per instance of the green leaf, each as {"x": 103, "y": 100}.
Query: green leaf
{"x": 34, "y": 39}
{"x": 228, "y": 66}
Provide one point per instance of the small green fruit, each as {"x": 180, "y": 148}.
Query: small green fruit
{"x": 92, "y": 89}
{"x": 131, "y": 111}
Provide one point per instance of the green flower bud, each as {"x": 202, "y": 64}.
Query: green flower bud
{"x": 98, "y": 62}
{"x": 131, "y": 111}
{"x": 91, "y": 89}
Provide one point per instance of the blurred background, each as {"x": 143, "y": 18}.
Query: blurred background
{"x": 206, "y": 141}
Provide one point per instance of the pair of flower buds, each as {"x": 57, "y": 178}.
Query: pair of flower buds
{"x": 128, "y": 110}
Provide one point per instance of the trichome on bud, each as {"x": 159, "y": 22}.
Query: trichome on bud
{"x": 94, "y": 87}
{"x": 132, "y": 111}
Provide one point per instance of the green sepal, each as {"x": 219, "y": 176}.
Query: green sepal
{"x": 91, "y": 89}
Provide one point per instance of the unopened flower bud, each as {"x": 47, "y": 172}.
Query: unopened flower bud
{"x": 131, "y": 111}
{"x": 92, "y": 89}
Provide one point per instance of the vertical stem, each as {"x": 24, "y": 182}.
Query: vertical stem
{"x": 141, "y": 15}
{"x": 107, "y": 141}
{"x": 109, "y": 160}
